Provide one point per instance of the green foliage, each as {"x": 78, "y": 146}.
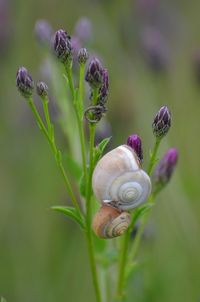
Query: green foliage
{"x": 71, "y": 213}
{"x": 100, "y": 149}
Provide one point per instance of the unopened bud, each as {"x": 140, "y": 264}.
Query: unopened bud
{"x": 42, "y": 89}
{"x": 165, "y": 168}
{"x": 63, "y": 46}
{"x": 24, "y": 82}
{"x": 83, "y": 56}
{"x": 162, "y": 122}
{"x": 94, "y": 74}
{"x": 134, "y": 141}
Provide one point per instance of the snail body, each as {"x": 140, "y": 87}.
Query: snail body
{"x": 110, "y": 222}
{"x": 119, "y": 180}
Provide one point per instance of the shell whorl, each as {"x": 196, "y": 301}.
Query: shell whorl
{"x": 119, "y": 180}
{"x": 110, "y": 222}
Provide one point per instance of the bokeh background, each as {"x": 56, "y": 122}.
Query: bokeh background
{"x": 152, "y": 51}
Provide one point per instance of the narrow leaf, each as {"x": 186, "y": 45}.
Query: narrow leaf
{"x": 72, "y": 213}
{"x": 100, "y": 149}
{"x": 139, "y": 213}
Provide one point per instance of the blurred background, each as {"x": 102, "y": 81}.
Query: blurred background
{"x": 152, "y": 51}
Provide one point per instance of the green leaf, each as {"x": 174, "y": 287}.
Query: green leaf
{"x": 100, "y": 149}
{"x": 72, "y": 213}
{"x": 72, "y": 166}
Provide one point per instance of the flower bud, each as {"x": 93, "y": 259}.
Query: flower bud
{"x": 42, "y": 89}
{"x": 83, "y": 56}
{"x": 162, "y": 122}
{"x": 43, "y": 32}
{"x": 165, "y": 168}
{"x": 103, "y": 91}
{"x": 63, "y": 46}
{"x": 134, "y": 141}
{"x": 24, "y": 82}
{"x": 94, "y": 74}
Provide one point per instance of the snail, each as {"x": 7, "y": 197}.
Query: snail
{"x": 119, "y": 180}
{"x": 110, "y": 222}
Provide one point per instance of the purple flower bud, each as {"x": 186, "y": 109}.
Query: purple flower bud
{"x": 24, "y": 82}
{"x": 165, "y": 168}
{"x": 162, "y": 122}
{"x": 94, "y": 74}
{"x": 42, "y": 89}
{"x": 103, "y": 91}
{"x": 63, "y": 46}
{"x": 83, "y": 30}
{"x": 134, "y": 141}
{"x": 43, "y": 32}
{"x": 83, "y": 56}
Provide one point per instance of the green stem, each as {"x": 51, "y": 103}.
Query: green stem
{"x": 124, "y": 257}
{"x": 153, "y": 156}
{"x": 92, "y": 128}
{"x": 56, "y": 154}
{"x": 89, "y": 216}
{"x": 45, "y": 102}
{"x": 78, "y": 107}
{"x": 135, "y": 246}
{"x": 137, "y": 239}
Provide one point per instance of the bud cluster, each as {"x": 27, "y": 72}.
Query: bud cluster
{"x": 42, "y": 89}
{"x": 94, "y": 74}
{"x": 134, "y": 141}
{"x": 165, "y": 168}
{"x": 63, "y": 46}
{"x": 24, "y": 82}
{"x": 162, "y": 122}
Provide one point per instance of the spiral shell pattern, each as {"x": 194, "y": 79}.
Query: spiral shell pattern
{"x": 119, "y": 180}
{"x": 110, "y": 222}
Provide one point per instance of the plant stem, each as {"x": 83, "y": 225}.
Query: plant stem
{"x": 89, "y": 215}
{"x": 135, "y": 246}
{"x": 78, "y": 107}
{"x": 56, "y": 152}
{"x": 124, "y": 257}
{"x": 92, "y": 128}
{"x": 153, "y": 156}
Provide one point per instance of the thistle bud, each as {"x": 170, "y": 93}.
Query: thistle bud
{"x": 162, "y": 122}
{"x": 24, "y": 82}
{"x": 83, "y": 56}
{"x": 103, "y": 91}
{"x": 94, "y": 74}
{"x": 42, "y": 89}
{"x": 63, "y": 46}
{"x": 165, "y": 168}
{"x": 134, "y": 141}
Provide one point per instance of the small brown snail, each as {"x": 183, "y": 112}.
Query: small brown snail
{"x": 110, "y": 222}
{"x": 120, "y": 183}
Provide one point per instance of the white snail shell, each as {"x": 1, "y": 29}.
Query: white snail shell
{"x": 119, "y": 180}
{"x": 110, "y": 222}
